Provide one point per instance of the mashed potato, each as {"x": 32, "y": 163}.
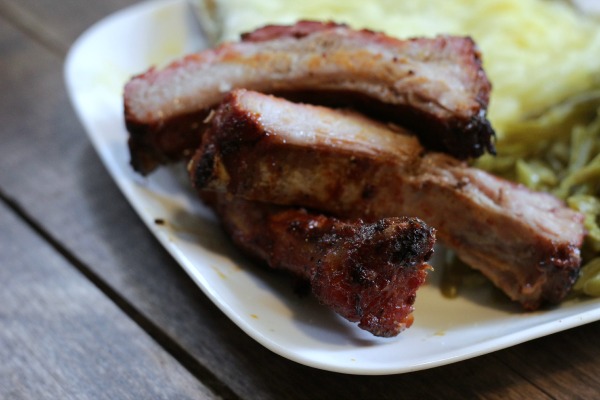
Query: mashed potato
{"x": 542, "y": 57}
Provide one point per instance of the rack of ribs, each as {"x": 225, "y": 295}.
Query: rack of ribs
{"x": 263, "y": 148}
{"x": 434, "y": 86}
{"x": 366, "y": 272}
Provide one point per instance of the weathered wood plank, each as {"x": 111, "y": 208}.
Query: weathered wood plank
{"x": 62, "y": 338}
{"x": 48, "y": 167}
{"x": 58, "y": 23}
{"x": 564, "y": 365}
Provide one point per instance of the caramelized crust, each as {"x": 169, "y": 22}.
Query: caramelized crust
{"x": 435, "y": 86}
{"x": 267, "y": 149}
{"x": 366, "y": 272}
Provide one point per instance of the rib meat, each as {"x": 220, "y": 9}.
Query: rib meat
{"x": 366, "y": 272}
{"x": 437, "y": 86}
{"x": 267, "y": 149}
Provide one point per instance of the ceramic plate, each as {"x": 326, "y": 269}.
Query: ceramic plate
{"x": 476, "y": 322}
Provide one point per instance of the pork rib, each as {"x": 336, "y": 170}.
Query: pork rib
{"x": 268, "y": 149}
{"x": 437, "y": 86}
{"x": 366, "y": 272}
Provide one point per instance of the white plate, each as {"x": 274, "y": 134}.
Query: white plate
{"x": 259, "y": 302}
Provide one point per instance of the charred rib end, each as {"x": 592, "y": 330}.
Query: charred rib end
{"x": 473, "y": 139}
{"x": 143, "y": 157}
{"x": 416, "y": 246}
{"x": 152, "y": 144}
{"x": 487, "y": 136}
{"x": 202, "y": 168}
{"x": 563, "y": 270}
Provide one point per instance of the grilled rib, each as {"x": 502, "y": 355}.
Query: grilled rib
{"x": 267, "y": 149}
{"x": 437, "y": 86}
{"x": 366, "y": 272}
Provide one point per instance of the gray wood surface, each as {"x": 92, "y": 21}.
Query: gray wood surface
{"x": 54, "y": 181}
{"x": 62, "y": 338}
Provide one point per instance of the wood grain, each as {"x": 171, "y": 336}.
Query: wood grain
{"x": 50, "y": 171}
{"x": 62, "y": 338}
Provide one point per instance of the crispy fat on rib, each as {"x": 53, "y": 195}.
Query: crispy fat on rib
{"x": 267, "y": 149}
{"x": 366, "y": 272}
{"x": 437, "y": 86}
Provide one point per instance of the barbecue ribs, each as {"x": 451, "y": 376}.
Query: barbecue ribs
{"x": 435, "y": 86}
{"x": 366, "y": 272}
{"x": 264, "y": 148}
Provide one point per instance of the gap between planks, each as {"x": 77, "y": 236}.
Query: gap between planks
{"x": 203, "y": 374}
{"x": 15, "y": 15}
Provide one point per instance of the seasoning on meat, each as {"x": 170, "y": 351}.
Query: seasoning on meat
{"x": 435, "y": 86}
{"x": 265, "y": 148}
{"x": 366, "y": 272}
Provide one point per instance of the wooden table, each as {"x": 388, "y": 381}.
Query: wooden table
{"x": 91, "y": 305}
